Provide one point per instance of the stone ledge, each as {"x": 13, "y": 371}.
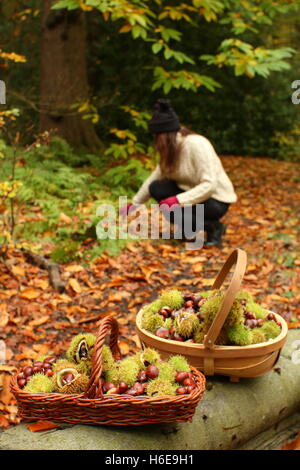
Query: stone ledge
{"x": 228, "y": 416}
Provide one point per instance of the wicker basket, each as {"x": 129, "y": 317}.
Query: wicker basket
{"x": 232, "y": 361}
{"x": 92, "y": 407}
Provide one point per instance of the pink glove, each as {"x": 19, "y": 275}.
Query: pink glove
{"x": 170, "y": 201}
{"x": 125, "y": 209}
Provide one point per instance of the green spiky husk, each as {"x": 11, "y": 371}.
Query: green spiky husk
{"x": 257, "y": 336}
{"x": 199, "y": 336}
{"x": 179, "y": 363}
{"x": 150, "y": 356}
{"x": 172, "y": 298}
{"x": 210, "y": 309}
{"x": 259, "y": 311}
{"x": 85, "y": 366}
{"x": 239, "y": 335}
{"x": 63, "y": 364}
{"x": 77, "y": 386}
{"x": 112, "y": 375}
{"x": 152, "y": 321}
{"x": 153, "y": 307}
{"x": 158, "y": 387}
{"x": 168, "y": 323}
{"x": 186, "y": 327}
{"x": 222, "y": 339}
{"x": 244, "y": 295}
{"x": 90, "y": 340}
{"x": 166, "y": 372}
{"x": 107, "y": 359}
{"x": 208, "y": 293}
{"x": 39, "y": 383}
{"x": 270, "y": 329}
{"x": 124, "y": 371}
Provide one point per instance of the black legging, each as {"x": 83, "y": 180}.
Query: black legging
{"x": 213, "y": 209}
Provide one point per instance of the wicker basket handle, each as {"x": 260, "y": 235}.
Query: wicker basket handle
{"x": 109, "y": 324}
{"x": 239, "y": 258}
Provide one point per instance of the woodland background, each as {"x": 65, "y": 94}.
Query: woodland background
{"x": 82, "y": 77}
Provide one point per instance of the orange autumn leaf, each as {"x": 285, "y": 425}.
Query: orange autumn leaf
{"x": 39, "y": 321}
{"x": 3, "y": 316}
{"x": 75, "y": 285}
{"x": 30, "y": 293}
{"x": 124, "y": 347}
{"x": 74, "y": 268}
{"x": 42, "y": 425}
{"x": 293, "y": 445}
{"x": 4, "y": 423}
{"x": 198, "y": 267}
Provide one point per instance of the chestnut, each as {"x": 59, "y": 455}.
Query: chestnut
{"x": 22, "y": 382}
{"x": 113, "y": 390}
{"x": 49, "y": 373}
{"x": 132, "y": 391}
{"x": 181, "y": 390}
{"x": 188, "y": 304}
{"x": 50, "y": 359}
{"x": 181, "y": 376}
{"x": 250, "y": 316}
{"x": 38, "y": 364}
{"x": 190, "y": 388}
{"x": 189, "y": 382}
{"x": 27, "y": 371}
{"x": 162, "y": 332}
{"x": 271, "y": 316}
{"x": 123, "y": 387}
{"x": 68, "y": 378}
{"x": 177, "y": 337}
{"x": 107, "y": 386}
{"x": 36, "y": 369}
{"x": 139, "y": 388}
{"x": 152, "y": 372}
{"x": 142, "y": 377}
{"x": 259, "y": 321}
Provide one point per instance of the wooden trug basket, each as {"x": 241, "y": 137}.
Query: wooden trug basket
{"x": 233, "y": 361}
{"x": 95, "y": 408}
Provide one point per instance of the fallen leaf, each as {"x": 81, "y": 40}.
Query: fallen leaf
{"x": 124, "y": 347}
{"x": 4, "y": 423}
{"x": 30, "y": 293}
{"x": 293, "y": 445}
{"x": 75, "y": 285}
{"x": 39, "y": 321}
{"x": 42, "y": 425}
{"x": 4, "y": 317}
{"x": 65, "y": 219}
{"x": 74, "y": 268}
{"x": 198, "y": 267}
{"x": 18, "y": 270}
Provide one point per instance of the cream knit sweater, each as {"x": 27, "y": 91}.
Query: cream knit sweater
{"x": 199, "y": 173}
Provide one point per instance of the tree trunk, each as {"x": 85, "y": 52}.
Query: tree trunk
{"x": 64, "y": 76}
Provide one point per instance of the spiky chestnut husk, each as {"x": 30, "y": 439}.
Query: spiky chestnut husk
{"x": 257, "y": 309}
{"x": 42, "y": 357}
{"x": 222, "y": 339}
{"x": 270, "y": 329}
{"x": 112, "y": 375}
{"x": 85, "y": 366}
{"x": 243, "y": 294}
{"x": 257, "y": 336}
{"x": 59, "y": 375}
{"x": 158, "y": 387}
{"x": 153, "y": 307}
{"x": 173, "y": 298}
{"x": 72, "y": 352}
{"x": 40, "y": 383}
{"x": 63, "y": 364}
{"x": 78, "y": 385}
{"x": 186, "y": 324}
{"x": 148, "y": 356}
{"x": 166, "y": 372}
{"x": 152, "y": 321}
{"x": 239, "y": 335}
{"x": 168, "y": 323}
{"x": 107, "y": 358}
{"x": 179, "y": 363}
{"x": 208, "y": 293}
{"x": 210, "y": 309}
{"x": 128, "y": 371}
{"x": 199, "y": 336}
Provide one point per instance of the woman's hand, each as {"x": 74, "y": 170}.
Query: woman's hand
{"x": 170, "y": 202}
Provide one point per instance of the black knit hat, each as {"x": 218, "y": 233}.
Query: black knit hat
{"x": 164, "y": 118}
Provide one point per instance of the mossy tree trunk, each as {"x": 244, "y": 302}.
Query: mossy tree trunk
{"x": 64, "y": 76}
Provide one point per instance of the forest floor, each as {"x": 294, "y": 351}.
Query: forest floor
{"x": 35, "y": 319}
